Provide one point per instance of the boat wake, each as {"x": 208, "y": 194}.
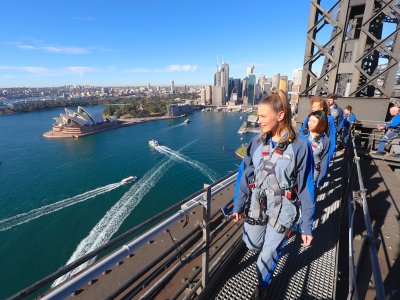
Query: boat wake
{"x": 26, "y": 217}
{"x": 116, "y": 215}
{"x": 196, "y": 164}
{"x": 113, "y": 219}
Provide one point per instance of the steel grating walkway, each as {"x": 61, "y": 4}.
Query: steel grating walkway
{"x": 301, "y": 273}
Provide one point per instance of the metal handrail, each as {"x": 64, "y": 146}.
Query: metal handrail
{"x": 370, "y": 239}
{"x": 95, "y": 270}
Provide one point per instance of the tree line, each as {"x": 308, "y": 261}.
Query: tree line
{"x": 141, "y": 106}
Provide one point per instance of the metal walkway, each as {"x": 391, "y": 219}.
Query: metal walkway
{"x": 301, "y": 273}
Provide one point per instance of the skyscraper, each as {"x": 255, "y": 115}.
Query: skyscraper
{"x": 237, "y": 87}
{"x": 261, "y": 81}
{"x": 283, "y": 83}
{"x": 208, "y": 89}
{"x": 217, "y": 77}
{"x": 221, "y": 78}
{"x": 225, "y": 79}
{"x": 172, "y": 87}
{"x": 218, "y": 95}
{"x": 251, "y": 89}
{"x": 244, "y": 90}
{"x": 275, "y": 80}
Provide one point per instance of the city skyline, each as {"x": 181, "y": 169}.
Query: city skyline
{"x": 137, "y": 44}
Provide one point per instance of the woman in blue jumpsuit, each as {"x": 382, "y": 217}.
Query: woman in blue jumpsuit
{"x": 321, "y": 104}
{"x": 315, "y": 133}
{"x": 276, "y": 182}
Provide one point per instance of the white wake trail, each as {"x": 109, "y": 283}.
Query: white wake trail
{"x": 26, "y": 217}
{"x": 114, "y": 217}
{"x": 196, "y": 164}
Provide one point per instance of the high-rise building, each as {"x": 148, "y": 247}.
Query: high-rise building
{"x": 203, "y": 96}
{"x": 217, "y": 78}
{"x": 208, "y": 90}
{"x": 250, "y": 70}
{"x": 218, "y": 95}
{"x": 251, "y": 89}
{"x": 244, "y": 87}
{"x": 257, "y": 94}
{"x": 237, "y": 87}
{"x": 283, "y": 83}
{"x": 225, "y": 78}
{"x": 172, "y": 87}
{"x": 297, "y": 73}
{"x": 221, "y": 78}
{"x": 275, "y": 80}
{"x": 267, "y": 87}
{"x": 261, "y": 81}
{"x": 230, "y": 87}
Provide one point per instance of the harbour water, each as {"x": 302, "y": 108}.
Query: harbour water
{"x": 61, "y": 198}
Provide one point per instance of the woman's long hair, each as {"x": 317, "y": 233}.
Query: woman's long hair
{"x": 322, "y": 121}
{"x": 278, "y": 101}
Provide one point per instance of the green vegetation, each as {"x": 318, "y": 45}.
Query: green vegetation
{"x": 41, "y": 105}
{"x": 141, "y": 106}
{"x": 137, "y": 107}
{"x": 241, "y": 151}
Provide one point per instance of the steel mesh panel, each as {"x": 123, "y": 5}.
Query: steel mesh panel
{"x": 301, "y": 273}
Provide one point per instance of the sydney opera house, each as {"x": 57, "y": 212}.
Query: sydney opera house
{"x": 80, "y": 123}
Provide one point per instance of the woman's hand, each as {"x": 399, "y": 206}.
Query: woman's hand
{"x": 306, "y": 240}
{"x": 236, "y": 217}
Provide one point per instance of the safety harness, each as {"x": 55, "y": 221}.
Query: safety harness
{"x": 253, "y": 214}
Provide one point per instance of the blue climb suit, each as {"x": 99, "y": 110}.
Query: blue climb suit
{"x": 393, "y": 129}
{"x": 338, "y": 115}
{"x": 320, "y": 146}
{"x": 258, "y": 199}
{"x": 331, "y": 134}
{"x": 348, "y": 121}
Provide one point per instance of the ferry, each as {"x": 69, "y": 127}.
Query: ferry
{"x": 154, "y": 143}
{"x": 128, "y": 179}
{"x": 186, "y": 121}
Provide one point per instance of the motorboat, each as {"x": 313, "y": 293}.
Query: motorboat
{"x": 186, "y": 121}
{"x": 154, "y": 143}
{"x": 128, "y": 179}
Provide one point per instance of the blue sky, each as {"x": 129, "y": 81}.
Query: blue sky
{"x": 118, "y": 43}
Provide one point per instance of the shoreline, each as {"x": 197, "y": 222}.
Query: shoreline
{"x": 51, "y": 134}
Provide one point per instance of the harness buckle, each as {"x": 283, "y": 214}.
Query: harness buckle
{"x": 289, "y": 195}
{"x": 252, "y": 185}
{"x": 265, "y": 153}
{"x": 278, "y": 151}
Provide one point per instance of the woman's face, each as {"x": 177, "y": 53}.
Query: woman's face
{"x": 316, "y": 106}
{"x": 267, "y": 118}
{"x": 312, "y": 123}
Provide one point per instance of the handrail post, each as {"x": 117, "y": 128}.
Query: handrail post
{"x": 206, "y": 235}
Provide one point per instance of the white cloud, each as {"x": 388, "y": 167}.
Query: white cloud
{"x": 36, "y": 45}
{"x": 54, "y": 72}
{"x": 32, "y": 70}
{"x": 181, "y": 68}
{"x": 56, "y": 49}
{"x": 169, "y": 68}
